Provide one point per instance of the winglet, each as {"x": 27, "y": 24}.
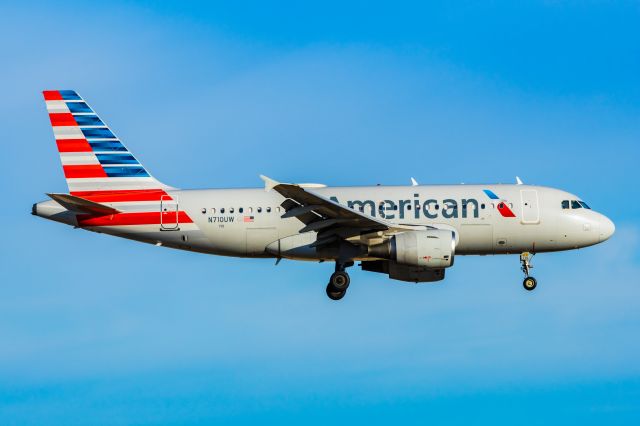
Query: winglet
{"x": 269, "y": 183}
{"x": 414, "y": 182}
{"x": 518, "y": 181}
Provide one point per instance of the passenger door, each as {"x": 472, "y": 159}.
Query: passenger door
{"x": 530, "y": 208}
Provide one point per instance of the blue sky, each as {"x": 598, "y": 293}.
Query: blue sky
{"x": 96, "y": 330}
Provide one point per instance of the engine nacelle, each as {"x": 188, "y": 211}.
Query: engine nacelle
{"x": 433, "y": 248}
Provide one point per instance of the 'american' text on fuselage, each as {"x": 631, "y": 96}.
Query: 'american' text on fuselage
{"x": 430, "y": 208}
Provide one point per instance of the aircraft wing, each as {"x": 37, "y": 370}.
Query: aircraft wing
{"x": 325, "y": 216}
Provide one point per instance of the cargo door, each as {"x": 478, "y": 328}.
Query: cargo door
{"x": 476, "y": 239}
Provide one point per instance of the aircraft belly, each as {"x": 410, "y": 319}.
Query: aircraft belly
{"x": 475, "y": 239}
{"x": 257, "y": 239}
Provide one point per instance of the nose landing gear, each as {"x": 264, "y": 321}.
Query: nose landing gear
{"x": 339, "y": 281}
{"x": 529, "y": 283}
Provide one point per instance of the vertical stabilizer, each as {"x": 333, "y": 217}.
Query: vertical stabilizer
{"x": 94, "y": 160}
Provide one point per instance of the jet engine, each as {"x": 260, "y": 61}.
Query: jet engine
{"x": 433, "y": 248}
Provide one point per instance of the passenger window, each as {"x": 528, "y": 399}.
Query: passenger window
{"x": 231, "y": 210}
{"x": 565, "y": 204}
{"x": 268, "y": 209}
{"x": 222, "y": 210}
{"x": 575, "y": 204}
{"x": 259, "y": 209}
{"x": 213, "y": 210}
{"x": 278, "y": 209}
{"x": 204, "y": 211}
{"x": 240, "y": 209}
{"x": 583, "y": 204}
{"x": 250, "y": 209}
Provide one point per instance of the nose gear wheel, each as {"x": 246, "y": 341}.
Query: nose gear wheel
{"x": 529, "y": 282}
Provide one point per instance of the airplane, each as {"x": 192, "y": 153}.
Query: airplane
{"x": 411, "y": 233}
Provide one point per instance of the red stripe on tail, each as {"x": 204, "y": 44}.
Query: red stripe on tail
{"x": 52, "y": 95}
{"x": 123, "y": 195}
{"x": 62, "y": 119}
{"x": 73, "y": 145}
{"x": 84, "y": 171}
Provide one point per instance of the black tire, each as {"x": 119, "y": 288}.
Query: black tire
{"x": 339, "y": 281}
{"x": 335, "y": 294}
{"x": 529, "y": 283}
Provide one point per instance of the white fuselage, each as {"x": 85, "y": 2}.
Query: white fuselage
{"x": 248, "y": 223}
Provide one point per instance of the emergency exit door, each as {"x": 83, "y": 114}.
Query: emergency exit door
{"x": 168, "y": 214}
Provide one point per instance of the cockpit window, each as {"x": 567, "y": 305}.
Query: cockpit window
{"x": 565, "y": 204}
{"x": 583, "y": 204}
{"x": 575, "y": 204}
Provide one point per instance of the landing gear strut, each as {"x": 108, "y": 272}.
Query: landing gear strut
{"x": 339, "y": 281}
{"x": 529, "y": 283}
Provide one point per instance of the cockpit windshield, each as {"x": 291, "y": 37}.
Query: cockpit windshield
{"x": 583, "y": 204}
{"x": 574, "y": 204}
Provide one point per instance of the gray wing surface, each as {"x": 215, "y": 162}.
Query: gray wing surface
{"x": 330, "y": 219}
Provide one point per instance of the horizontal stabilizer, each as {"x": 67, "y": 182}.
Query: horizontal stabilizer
{"x": 82, "y": 205}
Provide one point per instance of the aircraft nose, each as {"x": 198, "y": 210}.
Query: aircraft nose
{"x": 607, "y": 228}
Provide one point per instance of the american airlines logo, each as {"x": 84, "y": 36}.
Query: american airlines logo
{"x": 431, "y": 208}
{"x": 405, "y": 209}
{"x": 502, "y": 206}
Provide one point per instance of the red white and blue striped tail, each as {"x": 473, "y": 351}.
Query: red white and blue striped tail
{"x": 95, "y": 163}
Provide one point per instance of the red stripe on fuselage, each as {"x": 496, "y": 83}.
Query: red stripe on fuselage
{"x": 52, "y": 95}
{"x": 123, "y": 195}
{"x": 137, "y": 218}
{"x": 62, "y": 119}
{"x": 73, "y": 145}
{"x": 84, "y": 171}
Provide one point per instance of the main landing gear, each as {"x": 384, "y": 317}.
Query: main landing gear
{"x": 529, "y": 283}
{"x": 339, "y": 281}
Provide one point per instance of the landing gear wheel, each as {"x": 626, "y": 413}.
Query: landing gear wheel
{"x": 339, "y": 281}
{"x": 335, "y": 294}
{"x": 529, "y": 283}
